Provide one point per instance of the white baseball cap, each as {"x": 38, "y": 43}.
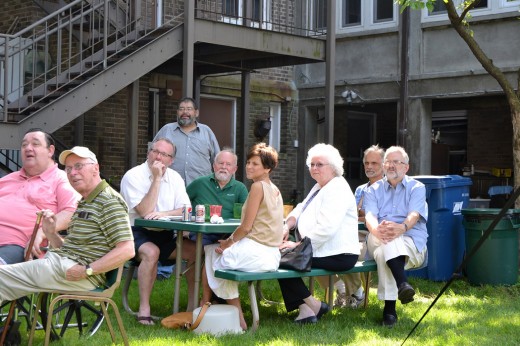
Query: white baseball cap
{"x": 83, "y": 152}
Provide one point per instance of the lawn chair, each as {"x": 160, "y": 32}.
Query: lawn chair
{"x": 103, "y": 297}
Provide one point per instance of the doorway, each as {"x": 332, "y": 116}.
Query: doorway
{"x": 360, "y": 134}
{"x": 220, "y": 115}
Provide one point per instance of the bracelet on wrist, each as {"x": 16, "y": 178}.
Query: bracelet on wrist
{"x": 405, "y": 227}
{"x": 231, "y": 238}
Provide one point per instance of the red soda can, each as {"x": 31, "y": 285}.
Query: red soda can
{"x": 186, "y": 213}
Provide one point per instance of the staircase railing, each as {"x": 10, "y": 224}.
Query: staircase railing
{"x": 10, "y": 160}
{"x": 42, "y": 60}
{"x": 53, "y": 55}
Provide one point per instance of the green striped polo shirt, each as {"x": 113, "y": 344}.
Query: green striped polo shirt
{"x": 98, "y": 224}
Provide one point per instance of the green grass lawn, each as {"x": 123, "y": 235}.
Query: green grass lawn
{"x": 464, "y": 315}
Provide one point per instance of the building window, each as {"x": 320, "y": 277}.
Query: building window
{"x": 256, "y": 13}
{"x": 318, "y": 14}
{"x": 230, "y": 8}
{"x": 383, "y": 11}
{"x": 361, "y": 15}
{"x": 484, "y": 7}
{"x": 351, "y": 13}
{"x": 275, "y": 112}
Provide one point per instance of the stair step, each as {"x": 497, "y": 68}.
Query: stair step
{"x": 64, "y": 86}
{"x": 26, "y": 112}
{"x": 88, "y": 26}
{"x": 87, "y": 74}
{"x": 48, "y": 97}
{"x": 110, "y": 61}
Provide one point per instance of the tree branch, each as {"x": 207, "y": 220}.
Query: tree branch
{"x": 484, "y": 60}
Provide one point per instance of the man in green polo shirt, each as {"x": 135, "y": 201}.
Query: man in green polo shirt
{"x": 218, "y": 188}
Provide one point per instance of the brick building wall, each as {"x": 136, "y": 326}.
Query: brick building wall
{"x": 26, "y": 12}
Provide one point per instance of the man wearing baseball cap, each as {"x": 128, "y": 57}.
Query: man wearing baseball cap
{"x": 99, "y": 237}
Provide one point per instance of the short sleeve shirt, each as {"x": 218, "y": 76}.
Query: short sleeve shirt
{"x": 21, "y": 197}
{"x": 196, "y": 150}
{"x": 394, "y": 204}
{"x": 136, "y": 184}
{"x": 206, "y": 190}
{"x": 98, "y": 224}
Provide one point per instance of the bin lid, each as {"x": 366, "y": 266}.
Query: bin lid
{"x": 440, "y": 181}
{"x": 487, "y": 211}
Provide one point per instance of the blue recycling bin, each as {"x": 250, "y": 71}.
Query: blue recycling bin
{"x": 446, "y": 195}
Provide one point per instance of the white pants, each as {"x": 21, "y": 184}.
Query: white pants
{"x": 42, "y": 275}
{"x": 381, "y": 253}
{"x": 246, "y": 255}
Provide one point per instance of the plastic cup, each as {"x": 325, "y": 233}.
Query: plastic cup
{"x": 207, "y": 215}
{"x": 215, "y": 210}
{"x": 237, "y": 210}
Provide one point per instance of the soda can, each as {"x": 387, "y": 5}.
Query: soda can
{"x": 186, "y": 213}
{"x": 200, "y": 213}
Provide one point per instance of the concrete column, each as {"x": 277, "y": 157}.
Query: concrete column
{"x": 189, "y": 51}
{"x": 133, "y": 114}
{"x": 418, "y": 136}
{"x": 245, "y": 106}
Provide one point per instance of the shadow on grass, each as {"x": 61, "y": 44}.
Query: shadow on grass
{"x": 464, "y": 315}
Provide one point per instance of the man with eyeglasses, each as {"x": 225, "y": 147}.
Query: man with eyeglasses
{"x": 152, "y": 190}
{"x": 195, "y": 142}
{"x": 395, "y": 215}
{"x": 218, "y": 188}
{"x": 38, "y": 185}
{"x": 99, "y": 238}
{"x": 350, "y": 290}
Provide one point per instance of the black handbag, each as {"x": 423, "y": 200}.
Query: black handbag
{"x": 299, "y": 257}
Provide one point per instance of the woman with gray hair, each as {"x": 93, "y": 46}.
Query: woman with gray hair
{"x": 328, "y": 216}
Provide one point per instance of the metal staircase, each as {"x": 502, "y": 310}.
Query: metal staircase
{"x": 87, "y": 50}
{"x": 74, "y": 58}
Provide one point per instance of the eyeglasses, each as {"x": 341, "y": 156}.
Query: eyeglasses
{"x": 394, "y": 163}
{"x": 78, "y": 166}
{"x": 318, "y": 165}
{"x": 187, "y": 109}
{"x": 163, "y": 154}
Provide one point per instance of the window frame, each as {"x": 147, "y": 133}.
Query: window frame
{"x": 265, "y": 12}
{"x": 275, "y": 113}
{"x": 368, "y": 21}
{"x": 494, "y": 7}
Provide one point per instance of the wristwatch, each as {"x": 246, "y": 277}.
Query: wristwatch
{"x": 89, "y": 270}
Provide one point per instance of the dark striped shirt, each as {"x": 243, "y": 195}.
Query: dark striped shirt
{"x": 98, "y": 224}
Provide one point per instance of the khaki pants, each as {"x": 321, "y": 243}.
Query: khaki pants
{"x": 402, "y": 246}
{"x": 42, "y": 275}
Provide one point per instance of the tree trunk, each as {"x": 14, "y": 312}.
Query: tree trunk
{"x": 515, "y": 117}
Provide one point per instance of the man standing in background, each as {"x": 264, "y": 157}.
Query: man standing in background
{"x": 196, "y": 144}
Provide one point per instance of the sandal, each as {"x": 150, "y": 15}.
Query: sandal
{"x": 148, "y": 319}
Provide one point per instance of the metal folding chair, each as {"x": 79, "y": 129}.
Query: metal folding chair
{"x": 103, "y": 297}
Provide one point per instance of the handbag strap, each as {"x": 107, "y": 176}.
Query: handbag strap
{"x": 200, "y": 316}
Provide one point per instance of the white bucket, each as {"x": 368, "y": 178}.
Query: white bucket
{"x": 219, "y": 319}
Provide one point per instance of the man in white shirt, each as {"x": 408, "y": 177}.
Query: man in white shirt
{"x": 152, "y": 190}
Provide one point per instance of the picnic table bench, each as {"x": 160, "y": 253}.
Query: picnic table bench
{"x": 235, "y": 275}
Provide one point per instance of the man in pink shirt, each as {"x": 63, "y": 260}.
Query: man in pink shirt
{"x": 38, "y": 185}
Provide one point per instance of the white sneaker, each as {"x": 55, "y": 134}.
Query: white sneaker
{"x": 354, "y": 301}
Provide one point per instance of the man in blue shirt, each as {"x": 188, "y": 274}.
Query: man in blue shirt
{"x": 196, "y": 145}
{"x": 349, "y": 288}
{"x": 395, "y": 215}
